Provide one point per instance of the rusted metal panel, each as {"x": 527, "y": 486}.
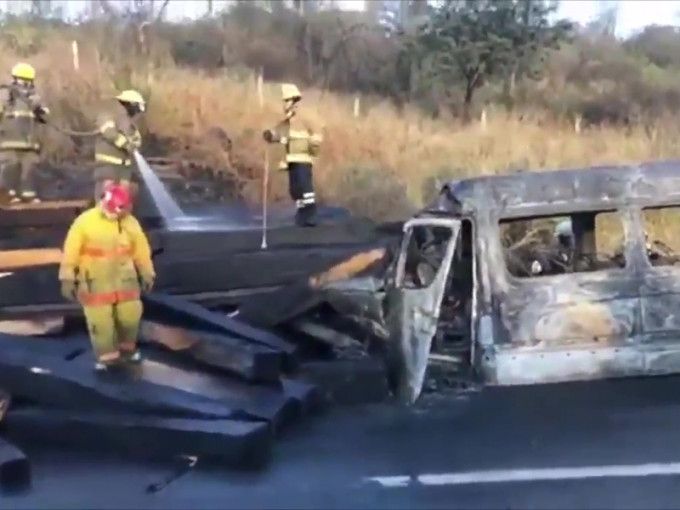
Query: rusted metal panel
{"x": 660, "y": 300}
{"x": 517, "y": 366}
{"x": 567, "y": 309}
{"x": 549, "y": 192}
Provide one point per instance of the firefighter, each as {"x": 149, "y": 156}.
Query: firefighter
{"x": 106, "y": 257}
{"x": 302, "y": 146}
{"x": 118, "y": 139}
{"x": 21, "y": 110}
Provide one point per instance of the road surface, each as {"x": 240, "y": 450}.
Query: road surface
{"x": 598, "y": 445}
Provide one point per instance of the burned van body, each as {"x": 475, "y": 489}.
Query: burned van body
{"x": 489, "y": 269}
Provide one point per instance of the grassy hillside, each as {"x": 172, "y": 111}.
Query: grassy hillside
{"x": 383, "y": 163}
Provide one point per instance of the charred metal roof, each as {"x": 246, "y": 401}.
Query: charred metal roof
{"x": 553, "y": 192}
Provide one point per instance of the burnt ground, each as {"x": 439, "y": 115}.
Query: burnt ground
{"x": 326, "y": 463}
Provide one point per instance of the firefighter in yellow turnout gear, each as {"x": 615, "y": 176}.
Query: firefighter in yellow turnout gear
{"x": 118, "y": 139}
{"x": 21, "y": 110}
{"x": 302, "y": 146}
{"x": 106, "y": 255}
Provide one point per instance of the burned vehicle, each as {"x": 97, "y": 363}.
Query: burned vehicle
{"x": 485, "y": 271}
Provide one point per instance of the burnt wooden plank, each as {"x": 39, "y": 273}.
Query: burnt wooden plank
{"x": 309, "y": 396}
{"x": 213, "y": 270}
{"x": 15, "y": 468}
{"x": 249, "y": 360}
{"x": 42, "y": 376}
{"x": 43, "y": 214}
{"x": 15, "y": 259}
{"x": 254, "y": 401}
{"x": 166, "y": 306}
{"x": 236, "y": 443}
{"x": 206, "y": 236}
{"x": 5, "y": 402}
{"x": 295, "y": 299}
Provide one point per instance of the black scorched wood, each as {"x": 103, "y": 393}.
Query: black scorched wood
{"x": 201, "y": 265}
{"x": 165, "y": 307}
{"x": 309, "y": 396}
{"x": 235, "y": 443}
{"x": 15, "y": 468}
{"x": 249, "y": 360}
{"x": 257, "y": 402}
{"x": 26, "y": 371}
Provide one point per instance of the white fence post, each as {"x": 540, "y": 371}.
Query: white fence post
{"x": 76, "y": 58}
{"x": 260, "y": 87}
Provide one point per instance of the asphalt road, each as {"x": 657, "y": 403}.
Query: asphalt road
{"x": 597, "y": 445}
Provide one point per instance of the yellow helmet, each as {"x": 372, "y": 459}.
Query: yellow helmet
{"x": 23, "y": 71}
{"x": 131, "y": 96}
{"x": 290, "y": 92}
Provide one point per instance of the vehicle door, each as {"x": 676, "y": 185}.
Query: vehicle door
{"x": 413, "y": 298}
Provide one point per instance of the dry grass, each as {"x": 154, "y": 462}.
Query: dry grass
{"x": 383, "y": 163}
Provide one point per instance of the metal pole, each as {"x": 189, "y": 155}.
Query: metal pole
{"x": 265, "y": 188}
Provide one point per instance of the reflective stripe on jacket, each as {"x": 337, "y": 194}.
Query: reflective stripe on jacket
{"x": 118, "y": 138}
{"x": 18, "y": 120}
{"x": 106, "y": 258}
{"x": 301, "y": 143}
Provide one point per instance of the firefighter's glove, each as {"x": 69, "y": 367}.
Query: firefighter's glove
{"x": 68, "y": 289}
{"x": 147, "y": 283}
{"x": 268, "y": 135}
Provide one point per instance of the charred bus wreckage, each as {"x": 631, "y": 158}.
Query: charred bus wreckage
{"x": 504, "y": 280}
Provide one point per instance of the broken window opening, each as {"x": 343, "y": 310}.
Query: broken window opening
{"x": 579, "y": 242}
{"x": 450, "y": 360}
{"x": 425, "y": 252}
{"x": 662, "y": 241}
{"x": 456, "y": 312}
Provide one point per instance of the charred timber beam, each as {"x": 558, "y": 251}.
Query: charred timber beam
{"x": 326, "y": 335}
{"x": 252, "y": 401}
{"x": 235, "y": 443}
{"x": 251, "y": 361}
{"x": 309, "y": 396}
{"x": 5, "y": 401}
{"x": 347, "y": 234}
{"x": 43, "y": 214}
{"x": 186, "y": 272}
{"x": 46, "y": 377}
{"x": 164, "y": 308}
{"x": 15, "y": 468}
{"x": 297, "y": 298}
{"x": 17, "y": 259}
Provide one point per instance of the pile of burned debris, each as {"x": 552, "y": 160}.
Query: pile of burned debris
{"x": 209, "y": 386}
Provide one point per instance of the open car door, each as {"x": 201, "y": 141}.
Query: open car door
{"x": 413, "y": 300}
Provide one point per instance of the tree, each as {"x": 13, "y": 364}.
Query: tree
{"x": 475, "y": 40}
{"x": 660, "y": 44}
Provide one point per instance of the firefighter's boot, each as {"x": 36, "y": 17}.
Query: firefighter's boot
{"x": 128, "y": 316}
{"x": 101, "y": 327}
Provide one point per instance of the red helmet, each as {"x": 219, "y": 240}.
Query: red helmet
{"x": 116, "y": 199}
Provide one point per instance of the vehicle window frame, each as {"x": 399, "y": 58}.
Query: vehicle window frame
{"x": 543, "y": 278}
{"x": 641, "y": 219}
